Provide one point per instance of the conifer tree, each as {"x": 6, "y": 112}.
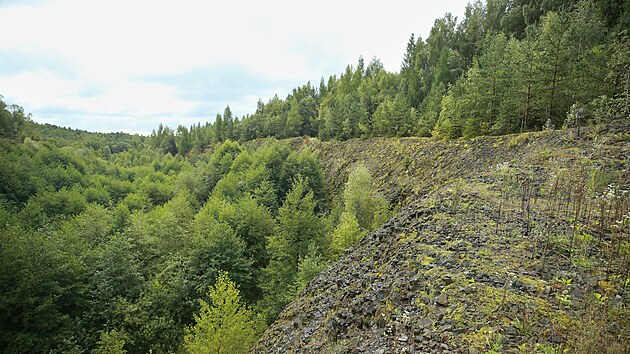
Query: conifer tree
{"x": 295, "y": 121}
{"x": 300, "y": 229}
{"x": 218, "y": 128}
{"x": 228, "y": 122}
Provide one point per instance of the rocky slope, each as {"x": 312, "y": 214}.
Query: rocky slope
{"x": 510, "y": 244}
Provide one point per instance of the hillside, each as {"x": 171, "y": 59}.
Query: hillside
{"x": 511, "y": 244}
{"x": 121, "y": 243}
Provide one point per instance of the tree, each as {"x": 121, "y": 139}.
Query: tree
{"x": 306, "y": 165}
{"x": 411, "y": 71}
{"x": 254, "y": 225}
{"x": 364, "y": 210}
{"x": 401, "y": 116}
{"x": 552, "y": 69}
{"x": 430, "y": 110}
{"x": 115, "y": 281}
{"x": 347, "y": 233}
{"x": 225, "y": 325}
{"x": 111, "y": 342}
{"x": 42, "y": 289}
{"x": 308, "y": 108}
{"x": 300, "y": 230}
{"x": 295, "y": 121}
{"x": 228, "y": 122}
{"x": 522, "y": 63}
{"x": 219, "y": 129}
{"x": 12, "y": 120}
{"x": 299, "y": 225}
{"x": 471, "y": 31}
{"x": 220, "y": 163}
{"x": 381, "y": 119}
{"x": 183, "y": 140}
{"x": 310, "y": 266}
{"x": 217, "y": 248}
{"x": 362, "y": 200}
{"x": 449, "y": 124}
{"x": 618, "y": 107}
{"x": 588, "y": 54}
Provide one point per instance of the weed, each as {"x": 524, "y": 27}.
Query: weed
{"x": 518, "y": 140}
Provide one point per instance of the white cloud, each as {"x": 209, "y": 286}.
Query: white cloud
{"x": 110, "y": 47}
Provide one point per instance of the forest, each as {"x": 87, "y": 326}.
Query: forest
{"x": 110, "y": 245}
{"x": 506, "y": 67}
{"x": 197, "y": 237}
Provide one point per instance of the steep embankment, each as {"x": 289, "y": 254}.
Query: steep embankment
{"x": 514, "y": 243}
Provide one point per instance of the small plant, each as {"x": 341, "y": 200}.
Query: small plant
{"x": 485, "y": 338}
{"x": 566, "y": 282}
{"x": 600, "y": 299}
{"x": 549, "y": 349}
{"x": 518, "y": 140}
{"x": 544, "y": 154}
{"x": 549, "y": 125}
{"x": 564, "y": 296}
{"x": 582, "y": 262}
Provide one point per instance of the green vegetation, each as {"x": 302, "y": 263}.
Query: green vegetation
{"x": 364, "y": 209}
{"x": 115, "y": 250}
{"x": 113, "y": 243}
{"x": 508, "y": 66}
{"x": 226, "y": 326}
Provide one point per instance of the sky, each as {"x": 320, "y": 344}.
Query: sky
{"x": 130, "y": 65}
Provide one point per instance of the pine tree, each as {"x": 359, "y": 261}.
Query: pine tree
{"x": 552, "y": 69}
{"x": 295, "y": 121}
{"x": 218, "y": 128}
{"x": 228, "y": 122}
{"x": 183, "y": 140}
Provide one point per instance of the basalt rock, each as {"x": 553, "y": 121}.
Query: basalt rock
{"x": 468, "y": 263}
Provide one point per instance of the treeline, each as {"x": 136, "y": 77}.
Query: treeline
{"x": 508, "y": 66}
{"x": 119, "y": 251}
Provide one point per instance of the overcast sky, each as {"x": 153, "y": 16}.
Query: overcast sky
{"x": 129, "y": 65}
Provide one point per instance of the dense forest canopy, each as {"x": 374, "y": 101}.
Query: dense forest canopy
{"x": 117, "y": 242}
{"x": 109, "y": 244}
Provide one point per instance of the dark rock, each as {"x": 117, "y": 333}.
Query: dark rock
{"x": 517, "y": 284}
{"x": 591, "y": 281}
{"x": 447, "y": 279}
{"x": 448, "y": 263}
{"x": 557, "y": 340}
{"x": 424, "y": 323}
{"x": 442, "y": 300}
{"x": 511, "y": 331}
{"x": 497, "y": 281}
{"x": 349, "y": 306}
{"x": 577, "y": 293}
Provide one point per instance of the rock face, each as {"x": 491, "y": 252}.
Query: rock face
{"x": 482, "y": 254}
